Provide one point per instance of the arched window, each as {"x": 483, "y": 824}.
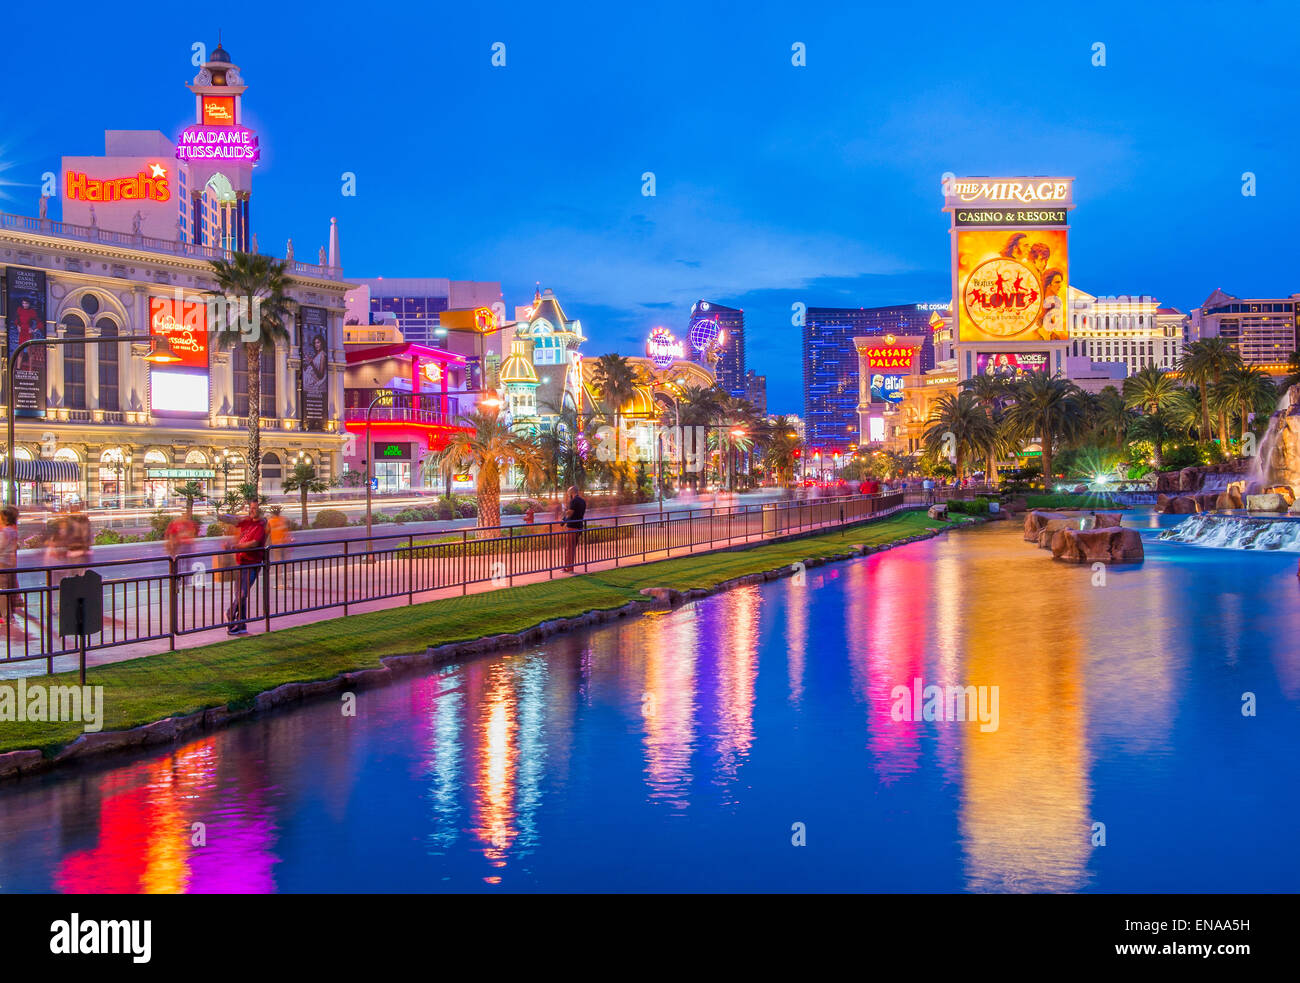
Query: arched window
{"x": 74, "y": 361}
{"x": 195, "y": 459}
{"x": 271, "y": 470}
{"x": 108, "y": 398}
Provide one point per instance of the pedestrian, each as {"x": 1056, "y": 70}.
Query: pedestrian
{"x": 928, "y": 487}
{"x": 277, "y": 529}
{"x": 179, "y": 537}
{"x": 78, "y": 541}
{"x": 250, "y": 545}
{"x": 574, "y": 522}
{"x": 9, "y": 563}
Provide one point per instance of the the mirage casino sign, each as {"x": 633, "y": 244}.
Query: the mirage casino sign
{"x": 1009, "y": 191}
{"x": 237, "y": 144}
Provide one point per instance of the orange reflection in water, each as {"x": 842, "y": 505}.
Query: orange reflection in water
{"x": 495, "y": 762}
{"x": 737, "y": 660}
{"x": 1025, "y": 792}
{"x": 670, "y": 647}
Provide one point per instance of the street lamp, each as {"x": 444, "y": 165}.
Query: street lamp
{"x": 120, "y": 465}
{"x": 160, "y": 353}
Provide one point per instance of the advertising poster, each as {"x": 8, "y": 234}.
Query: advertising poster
{"x": 25, "y": 321}
{"x": 181, "y": 387}
{"x": 888, "y": 388}
{"x": 313, "y": 333}
{"x": 1012, "y": 284}
{"x": 1010, "y": 365}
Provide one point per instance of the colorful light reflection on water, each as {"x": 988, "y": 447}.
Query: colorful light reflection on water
{"x": 676, "y": 752}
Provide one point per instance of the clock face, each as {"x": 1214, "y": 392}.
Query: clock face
{"x": 1003, "y": 297}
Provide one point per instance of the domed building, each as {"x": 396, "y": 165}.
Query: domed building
{"x": 519, "y": 381}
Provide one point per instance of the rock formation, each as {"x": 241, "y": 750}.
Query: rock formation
{"x": 1109, "y": 545}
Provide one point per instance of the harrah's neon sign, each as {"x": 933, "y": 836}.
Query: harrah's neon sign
{"x": 233, "y": 143}
{"x": 149, "y": 184}
{"x": 1022, "y": 191}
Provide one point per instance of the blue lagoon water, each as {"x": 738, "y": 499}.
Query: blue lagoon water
{"x": 682, "y": 751}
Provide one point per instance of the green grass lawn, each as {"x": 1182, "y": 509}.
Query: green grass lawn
{"x": 234, "y": 672}
{"x": 1068, "y": 500}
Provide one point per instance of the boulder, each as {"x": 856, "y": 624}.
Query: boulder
{"x": 1162, "y": 503}
{"x": 1283, "y": 490}
{"x": 1190, "y": 479}
{"x": 1114, "y": 545}
{"x": 1271, "y": 502}
{"x": 1183, "y": 505}
{"x": 1295, "y": 508}
{"x": 1229, "y": 499}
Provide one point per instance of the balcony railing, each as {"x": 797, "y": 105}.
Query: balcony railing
{"x": 400, "y": 414}
{"x": 93, "y": 233}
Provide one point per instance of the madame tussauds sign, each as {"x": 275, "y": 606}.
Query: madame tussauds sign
{"x": 233, "y": 143}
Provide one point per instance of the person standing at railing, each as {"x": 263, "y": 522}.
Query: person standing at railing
{"x": 179, "y": 537}
{"x": 9, "y": 563}
{"x": 250, "y": 543}
{"x": 574, "y": 521}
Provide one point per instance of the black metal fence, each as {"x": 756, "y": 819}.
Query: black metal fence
{"x": 202, "y": 591}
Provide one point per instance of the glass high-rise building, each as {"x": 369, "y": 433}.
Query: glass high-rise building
{"x": 702, "y": 338}
{"x": 830, "y": 362}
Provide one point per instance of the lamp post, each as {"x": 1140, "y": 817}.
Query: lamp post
{"x": 659, "y": 453}
{"x": 120, "y": 466}
{"x": 160, "y": 353}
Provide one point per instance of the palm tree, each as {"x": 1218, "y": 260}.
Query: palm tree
{"x": 701, "y": 406}
{"x": 616, "y": 379}
{"x": 489, "y": 445}
{"x": 1155, "y": 428}
{"x": 960, "y": 426}
{"x": 304, "y": 480}
{"x": 254, "y": 289}
{"x": 781, "y": 448}
{"x": 189, "y": 491}
{"x": 1050, "y": 408}
{"x": 1111, "y": 415}
{"x": 1149, "y": 389}
{"x": 1204, "y": 362}
{"x": 1246, "y": 390}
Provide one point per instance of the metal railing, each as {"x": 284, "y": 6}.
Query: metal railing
{"x": 199, "y": 591}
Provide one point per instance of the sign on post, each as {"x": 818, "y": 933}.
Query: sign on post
{"x": 81, "y": 610}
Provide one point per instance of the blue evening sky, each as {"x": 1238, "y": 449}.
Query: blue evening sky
{"x": 775, "y": 184}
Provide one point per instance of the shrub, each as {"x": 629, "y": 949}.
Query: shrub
{"x": 329, "y": 519}
{"x": 216, "y": 529}
{"x": 468, "y": 510}
{"x": 514, "y": 508}
{"x": 976, "y": 506}
{"x": 109, "y": 537}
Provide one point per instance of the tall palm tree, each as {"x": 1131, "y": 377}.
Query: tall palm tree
{"x": 959, "y": 425}
{"x": 1050, "y": 408}
{"x": 1204, "y": 362}
{"x": 254, "y": 289}
{"x": 304, "y": 480}
{"x": 1246, "y": 390}
{"x": 1149, "y": 390}
{"x": 489, "y": 445}
{"x": 1155, "y": 428}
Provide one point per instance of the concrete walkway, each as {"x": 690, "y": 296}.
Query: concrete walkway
{"x": 140, "y": 609}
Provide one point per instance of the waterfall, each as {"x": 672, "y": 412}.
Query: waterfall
{"x": 1218, "y": 482}
{"x": 1236, "y": 532}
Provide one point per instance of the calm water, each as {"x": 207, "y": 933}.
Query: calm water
{"x": 676, "y": 752}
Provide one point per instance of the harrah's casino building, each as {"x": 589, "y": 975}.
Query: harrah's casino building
{"x": 131, "y": 255}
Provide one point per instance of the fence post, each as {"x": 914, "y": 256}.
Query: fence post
{"x": 643, "y": 518}
{"x": 346, "y": 579}
{"x": 266, "y": 585}
{"x": 410, "y": 568}
{"x": 171, "y": 584}
{"x": 48, "y": 628}
{"x": 464, "y": 562}
{"x": 616, "y": 540}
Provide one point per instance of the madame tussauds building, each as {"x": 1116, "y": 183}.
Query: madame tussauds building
{"x": 132, "y": 256}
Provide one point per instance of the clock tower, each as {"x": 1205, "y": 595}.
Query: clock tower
{"x": 219, "y": 153}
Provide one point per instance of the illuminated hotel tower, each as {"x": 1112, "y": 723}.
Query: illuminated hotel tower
{"x": 219, "y": 188}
